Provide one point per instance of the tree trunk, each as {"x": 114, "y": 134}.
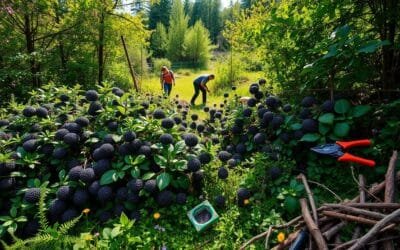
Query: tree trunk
{"x": 100, "y": 55}
{"x": 30, "y": 48}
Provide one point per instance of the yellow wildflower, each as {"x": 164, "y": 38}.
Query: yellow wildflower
{"x": 88, "y": 237}
{"x": 281, "y": 237}
{"x": 156, "y": 216}
{"x": 246, "y": 201}
{"x": 86, "y": 211}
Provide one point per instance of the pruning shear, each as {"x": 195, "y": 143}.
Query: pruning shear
{"x": 335, "y": 150}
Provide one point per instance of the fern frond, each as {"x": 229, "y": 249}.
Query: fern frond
{"x": 44, "y": 223}
{"x": 37, "y": 240}
{"x": 65, "y": 227}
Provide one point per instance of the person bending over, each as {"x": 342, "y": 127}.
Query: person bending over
{"x": 200, "y": 84}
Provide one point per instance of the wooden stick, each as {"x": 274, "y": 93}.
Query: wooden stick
{"x": 310, "y": 197}
{"x": 267, "y": 237}
{"x": 376, "y": 189}
{"x": 390, "y": 188}
{"x": 334, "y": 230}
{"x": 370, "y": 205}
{"x": 360, "y": 243}
{"x": 361, "y": 189}
{"x": 349, "y": 217}
{"x": 358, "y": 211}
{"x": 290, "y": 239}
{"x": 312, "y": 227}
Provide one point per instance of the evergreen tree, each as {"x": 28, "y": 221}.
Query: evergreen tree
{"x": 159, "y": 12}
{"x": 176, "y": 33}
{"x": 158, "y": 41}
{"x": 188, "y": 7}
{"x": 197, "y": 45}
{"x": 197, "y": 11}
{"x": 246, "y": 4}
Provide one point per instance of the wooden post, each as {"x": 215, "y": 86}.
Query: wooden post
{"x": 129, "y": 64}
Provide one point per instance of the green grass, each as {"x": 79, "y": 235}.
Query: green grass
{"x": 184, "y": 86}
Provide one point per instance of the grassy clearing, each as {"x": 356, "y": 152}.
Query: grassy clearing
{"x": 184, "y": 85}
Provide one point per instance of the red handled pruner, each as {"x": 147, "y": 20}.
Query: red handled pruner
{"x": 335, "y": 150}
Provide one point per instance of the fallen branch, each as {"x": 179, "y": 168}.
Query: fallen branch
{"x": 350, "y": 217}
{"x": 358, "y": 211}
{"x": 361, "y": 190}
{"x": 390, "y": 189}
{"x": 375, "y": 230}
{"x": 312, "y": 227}
{"x": 375, "y": 189}
{"x": 334, "y": 230}
{"x": 371, "y": 205}
{"x": 310, "y": 197}
{"x": 267, "y": 237}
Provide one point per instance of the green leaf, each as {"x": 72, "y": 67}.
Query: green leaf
{"x": 341, "y": 129}
{"x": 123, "y": 219}
{"x": 163, "y": 181}
{"x": 115, "y": 232}
{"x": 327, "y": 118}
{"x": 361, "y": 110}
{"x": 148, "y": 176}
{"x": 323, "y": 128}
{"x": 108, "y": 177}
{"x": 291, "y": 204}
{"x": 372, "y": 46}
{"x": 139, "y": 159}
{"x": 160, "y": 160}
{"x": 179, "y": 147}
{"x": 296, "y": 126}
{"x": 135, "y": 173}
{"x": 310, "y": 137}
{"x": 180, "y": 165}
{"x": 342, "y": 106}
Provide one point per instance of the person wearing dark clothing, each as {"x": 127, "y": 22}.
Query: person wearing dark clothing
{"x": 200, "y": 84}
{"x": 167, "y": 79}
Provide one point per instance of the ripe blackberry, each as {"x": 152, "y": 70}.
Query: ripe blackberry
{"x": 191, "y": 140}
{"x": 167, "y": 123}
{"x": 29, "y": 111}
{"x": 68, "y": 215}
{"x": 224, "y": 156}
{"x": 275, "y": 173}
{"x": 129, "y": 136}
{"x": 95, "y": 108}
{"x": 243, "y": 194}
{"x": 94, "y": 188}
{"x": 57, "y": 207}
{"x": 181, "y": 198}
{"x": 309, "y": 126}
{"x": 82, "y": 121}
{"x": 117, "y": 91}
{"x": 122, "y": 194}
{"x": 150, "y": 186}
{"x": 135, "y": 185}
{"x": 165, "y": 198}
{"x": 101, "y": 166}
{"x": 74, "y": 173}
{"x": 220, "y": 201}
{"x": 80, "y": 197}
{"x": 64, "y": 193}
{"x": 104, "y": 194}
{"x": 205, "y": 158}
{"x": 193, "y": 164}
{"x": 42, "y": 112}
{"x": 30, "y": 145}
{"x": 59, "y": 135}
{"x": 71, "y": 139}
{"x": 73, "y": 127}
{"x": 91, "y": 95}
{"x": 32, "y": 195}
{"x": 158, "y": 114}
{"x": 87, "y": 175}
{"x": 259, "y": 138}
{"x": 308, "y": 101}
{"x": 222, "y": 173}
{"x": 166, "y": 139}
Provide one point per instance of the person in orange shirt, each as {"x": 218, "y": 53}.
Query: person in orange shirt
{"x": 167, "y": 79}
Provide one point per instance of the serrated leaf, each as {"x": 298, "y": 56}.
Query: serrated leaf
{"x": 310, "y": 137}
{"x": 108, "y": 177}
{"x": 361, "y": 110}
{"x": 327, "y": 118}
{"x": 341, "y": 129}
{"x": 163, "y": 181}
{"x": 342, "y": 106}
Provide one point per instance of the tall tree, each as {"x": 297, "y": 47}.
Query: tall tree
{"x": 177, "y": 30}
{"x": 197, "y": 45}
{"x": 188, "y": 7}
{"x": 158, "y": 41}
{"x": 160, "y": 12}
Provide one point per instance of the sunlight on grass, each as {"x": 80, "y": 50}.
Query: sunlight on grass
{"x": 184, "y": 86}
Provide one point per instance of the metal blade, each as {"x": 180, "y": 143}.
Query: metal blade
{"x": 328, "y": 149}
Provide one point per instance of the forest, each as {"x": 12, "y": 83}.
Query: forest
{"x": 102, "y": 145}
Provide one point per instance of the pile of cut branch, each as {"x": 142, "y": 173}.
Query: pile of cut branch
{"x": 373, "y": 216}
